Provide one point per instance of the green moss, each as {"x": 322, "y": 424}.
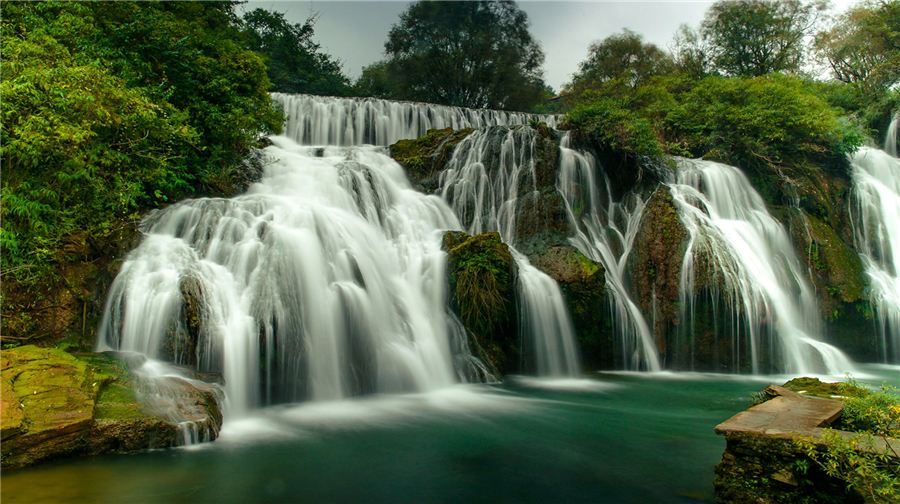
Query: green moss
{"x": 817, "y": 388}
{"x": 836, "y": 261}
{"x": 481, "y": 274}
{"x": 426, "y": 154}
{"x": 656, "y": 264}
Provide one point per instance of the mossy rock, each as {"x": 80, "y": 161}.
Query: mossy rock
{"x": 583, "y": 285}
{"x": 655, "y": 264}
{"x": 814, "y": 387}
{"x": 426, "y": 156}
{"x": 482, "y": 276}
{"x": 57, "y": 404}
{"x": 840, "y": 281}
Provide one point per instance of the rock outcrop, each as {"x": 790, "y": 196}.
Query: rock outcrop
{"x": 482, "y": 277}
{"x": 57, "y": 404}
{"x": 583, "y": 285}
{"x": 425, "y": 157}
{"x": 766, "y": 456}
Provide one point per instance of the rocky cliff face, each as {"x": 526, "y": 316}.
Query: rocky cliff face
{"x": 810, "y": 201}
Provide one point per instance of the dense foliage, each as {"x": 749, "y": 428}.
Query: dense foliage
{"x": 866, "y": 468}
{"x": 768, "y": 121}
{"x": 470, "y": 54}
{"x": 734, "y": 91}
{"x": 295, "y": 62}
{"x": 112, "y": 108}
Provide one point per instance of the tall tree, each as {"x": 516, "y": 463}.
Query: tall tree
{"x": 620, "y": 60}
{"x": 691, "y": 52}
{"x": 471, "y": 54}
{"x": 296, "y": 63}
{"x": 863, "y": 46}
{"x": 757, "y": 37}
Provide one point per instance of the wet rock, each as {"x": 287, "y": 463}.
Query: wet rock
{"x": 482, "y": 276}
{"x": 57, "y": 404}
{"x": 840, "y": 281}
{"x": 655, "y": 265}
{"x": 583, "y": 285}
{"x": 426, "y": 156}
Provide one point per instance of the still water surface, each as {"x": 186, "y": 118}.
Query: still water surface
{"x": 619, "y": 437}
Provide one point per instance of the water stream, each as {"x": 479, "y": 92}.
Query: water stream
{"x": 318, "y": 120}
{"x": 482, "y": 183}
{"x": 604, "y": 232}
{"x": 325, "y": 280}
{"x": 875, "y": 213}
{"x": 747, "y": 259}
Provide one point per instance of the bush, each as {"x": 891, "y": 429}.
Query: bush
{"x": 110, "y": 109}
{"x": 611, "y": 124}
{"x": 770, "y": 120}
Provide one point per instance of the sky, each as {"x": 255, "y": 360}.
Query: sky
{"x": 354, "y": 32}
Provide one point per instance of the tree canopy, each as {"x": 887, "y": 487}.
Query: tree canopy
{"x": 863, "y": 46}
{"x": 623, "y": 59}
{"x": 758, "y": 37}
{"x": 295, "y": 62}
{"x": 470, "y": 54}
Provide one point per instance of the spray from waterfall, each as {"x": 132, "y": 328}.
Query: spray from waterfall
{"x": 605, "y": 232}
{"x": 489, "y": 173}
{"x": 875, "y": 212}
{"x": 322, "y": 120}
{"x": 767, "y": 307}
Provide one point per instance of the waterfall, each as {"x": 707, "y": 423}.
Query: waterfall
{"x": 605, "y": 232}
{"x": 326, "y": 279}
{"x": 890, "y": 139}
{"x": 875, "y": 212}
{"x": 482, "y": 184}
{"x": 746, "y": 256}
{"x": 325, "y": 120}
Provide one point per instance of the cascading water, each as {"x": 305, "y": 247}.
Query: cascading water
{"x": 875, "y": 212}
{"x": 605, "y": 232}
{"x": 323, "y": 120}
{"x": 482, "y": 183}
{"x": 747, "y": 258}
{"x": 326, "y": 279}
{"x": 890, "y": 139}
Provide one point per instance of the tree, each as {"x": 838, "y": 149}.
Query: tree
{"x": 296, "y": 63}
{"x": 622, "y": 60}
{"x": 470, "y": 54}
{"x": 863, "y": 46}
{"x": 691, "y": 53}
{"x": 377, "y": 80}
{"x": 757, "y": 37}
{"x": 110, "y": 109}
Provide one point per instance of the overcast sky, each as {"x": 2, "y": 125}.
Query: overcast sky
{"x": 354, "y": 32}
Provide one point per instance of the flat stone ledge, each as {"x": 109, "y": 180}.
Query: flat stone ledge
{"x": 790, "y": 415}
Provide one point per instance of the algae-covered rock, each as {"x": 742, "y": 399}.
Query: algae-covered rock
{"x": 655, "y": 264}
{"x": 57, "y": 404}
{"x": 583, "y": 285}
{"x": 482, "y": 276}
{"x": 425, "y": 157}
{"x": 840, "y": 281}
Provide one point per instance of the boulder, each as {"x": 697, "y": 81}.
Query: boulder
{"x": 583, "y": 285}
{"x": 425, "y": 157}
{"x": 57, "y": 404}
{"x": 482, "y": 278}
